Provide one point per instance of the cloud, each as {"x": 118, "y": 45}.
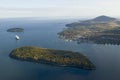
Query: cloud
{"x": 58, "y": 8}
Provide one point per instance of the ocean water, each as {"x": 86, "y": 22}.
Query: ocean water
{"x": 43, "y": 33}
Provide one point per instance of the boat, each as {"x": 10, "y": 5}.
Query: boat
{"x": 17, "y": 37}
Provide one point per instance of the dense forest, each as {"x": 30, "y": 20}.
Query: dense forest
{"x": 52, "y": 57}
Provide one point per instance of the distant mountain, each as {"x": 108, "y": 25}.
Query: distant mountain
{"x": 100, "y": 20}
{"x": 104, "y": 18}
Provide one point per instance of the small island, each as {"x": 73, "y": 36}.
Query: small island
{"x": 52, "y": 57}
{"x": 100, "y": 30}
{"x": 15, "y": 30}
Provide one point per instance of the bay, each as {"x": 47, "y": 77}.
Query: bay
{"x": 43, "y": 33}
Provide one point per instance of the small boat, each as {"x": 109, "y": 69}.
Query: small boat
{"x": 17, "y": 37}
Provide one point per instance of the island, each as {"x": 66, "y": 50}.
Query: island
{"x": 100, "y": 30}
{"x": 52, "y": 57}
{"x": 15, "y": 30}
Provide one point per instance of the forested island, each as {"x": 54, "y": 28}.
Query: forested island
{"x": 15, "y": 30}
{"x": 52, "y": 57}
{"x": 100, "y": 30}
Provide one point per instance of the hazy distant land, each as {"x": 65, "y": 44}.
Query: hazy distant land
{"x": 101, "y": 30}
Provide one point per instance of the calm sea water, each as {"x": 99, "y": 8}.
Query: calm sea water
{"x": 43, "y": 33}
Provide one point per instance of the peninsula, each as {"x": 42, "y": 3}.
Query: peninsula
{"x": 52, "y": 57}
{"x": 101, "y": 30}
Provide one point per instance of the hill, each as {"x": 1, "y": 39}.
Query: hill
{"x": 52, "y": 57}
{"x": 90, "y": 30}
{"x": 104, "y": 18}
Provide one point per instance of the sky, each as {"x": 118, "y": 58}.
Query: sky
{"x": 59, "y": 8}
